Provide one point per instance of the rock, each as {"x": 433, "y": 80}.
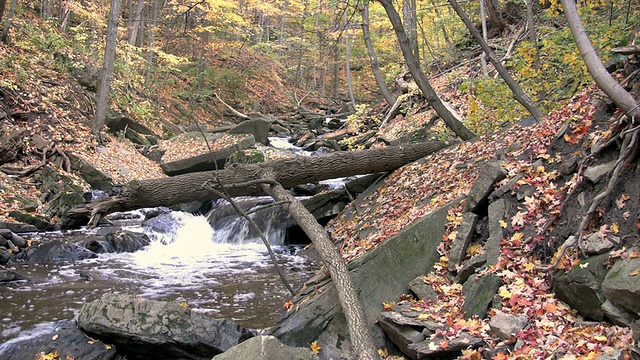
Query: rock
{"x": 569, "y": 166}
{"x": 380, "y": 274}
{"x": 10, "y": 275}
{"x": 581, "y": 288}
{"x": 621, "y": 285}
{"x": 59, "y": 192}
{"x": 595, "y": 245}
{"x": 152, "y": 153}
{"x": 266, "y": 348}
{"x": 116, "y": 122}
{"x": 618, "y": 316}
{"x": 327, "y": 203}
{"x": 361, "y": 183}
{"x": 462, "y": 240}
{"x": 148, "y": 329}
{"x": 5, "y": 256}
{"x": 495, "y": 215}
{"x": 247, "y": 156}
{"x": 438, "y": 347}
{"x": 39, "y": 222}
{"x": 478, "y": 295}
{"x": 206, "y": 160}
{"x": 136, "y": 138}
{"x": 17, "y": 227}
{"x": 401, "y": 335}
{"x": 470, "y": 267}
{"x": 56, "y": 251}
{"x": 423, "y": 290}
{"x": 259, "y": 128}
{"x": 504, "y": 189}
{"x": 119, "y": 241}
{"x": 506, "y": 326}
{"x": 612, "y": 355}
{"x": 489, "y": 174}
{"x": 96, "y": 178}
{"x": 596, "y": 172}
{"x": 66, "y": 339}
{"x": 280, "y": 130}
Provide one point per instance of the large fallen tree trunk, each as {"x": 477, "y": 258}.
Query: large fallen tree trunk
{"x": 240, "y": 180}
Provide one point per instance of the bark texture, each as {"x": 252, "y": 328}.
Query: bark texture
{"x": 375, "y": 65}
{"x": 421, "y": 80}
{"x": 605, "y": 81}
{"x": 518, "y": 94}
{"x": 347, "y": 293}
{"x": 241, "y": 179}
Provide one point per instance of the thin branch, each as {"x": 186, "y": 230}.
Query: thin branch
{"x": 234, "y": 111}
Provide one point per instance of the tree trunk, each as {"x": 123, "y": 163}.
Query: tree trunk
{"x": 518, "y": 94}
{"x": 4, "y": 36}
{"x": 600, "y": 75}
{"x": 421, "y": 80}
{"x": 542, "y": 92}
{"x": 3, "y": 5}
{"x": 347, "y": 293}
{"x": 107, "y": 70}
{"x": 288, "y": 172}
{"x": 375, "y": 66}
{"x": 483, "y": 57}
{"x": 347, "y": 68}
{"x": 411, "y": 25}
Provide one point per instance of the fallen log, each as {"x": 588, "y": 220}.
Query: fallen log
{"x": 240, "y": 180}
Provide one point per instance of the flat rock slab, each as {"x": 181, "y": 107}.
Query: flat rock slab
{"x": 478, "y": 295}
{"x": 189, "y": 152}
{"x": 266, "y": 348}
{"x": 148, "y": 329}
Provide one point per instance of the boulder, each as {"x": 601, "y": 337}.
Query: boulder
{"x": 10, "y": 275}
{"x": 462, "y": 240}
{"x": 39, "y": 222}
{"x": 17, "y": 227}
{"x": 380, "y": 274}
{"x": 439, "y": 347}
{"x": 489, "y": 174}
{"x": 206, "y": 160}
{"x": 119, "y": 241}
{"x": 327, "y": 203}
{"x": 496, "y": 214}
{"x": 506, "y": 326}
{"x": 478, "y": 294}
{"x": 148, "y": 329}
{"x": 65, "y": 339}
{"x": 116, "y": 122}
{"x": 257, "y": 127}
{"x": 266, "y": 348}
{"x": 56, "y": 251}
{"x": 621, "y": 285}
{"x": 581, "y": 287}
{"x": 361, "y": 183}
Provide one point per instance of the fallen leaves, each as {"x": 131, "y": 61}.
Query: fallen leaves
{"x": 315, "y": 347}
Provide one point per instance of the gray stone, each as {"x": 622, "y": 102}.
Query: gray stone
{"x": 65, "y": 338}
{"x": 506, "y": 326}
{"x": 489, "y": 174}
{"x": 401, "y": 335}
{"x": 259, "y": 128}
{"x": 423, "y": 290}
{"x": 380, "y": 274}
{"x": 208, "y": 160}
{"x": 621, "y": 285}
{"x": 595, "y": 245}
{"x": 613, "y": 355}
{"x": 496, "y": 213}
{"x": 596, "y": 172}
{"x": 57, "y": 251}
{"x": 157, "y": 329}
{"x": 280, "y": 130}
{"x": 17, "y": 227}
{"x": 10, "y": 275}
{"x": 117, "y": 122}
{"x": 96, "y": 178}
{"x": 478, "y": 295}
{"x": 581, "y": 288}
{"x": 618, "y": 316}
{"x": 462, "y": 240}
{"x": 266, "y": 348}
{"x": 327, "y": 203}
{"x": 433, "y": 348}
{"x": 361, "y": 183}
{"x": 470, "y": 267}
{"x": 502, "y": 190}
{"x": 569, "y": 166}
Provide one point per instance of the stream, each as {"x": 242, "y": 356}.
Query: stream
{"x": 215, "y": 263}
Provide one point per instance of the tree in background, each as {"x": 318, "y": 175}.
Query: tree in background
{"x": 421, "y": 80}
{"x": 107, "y": 70}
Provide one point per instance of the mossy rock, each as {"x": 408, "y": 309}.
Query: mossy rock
{"x": 246, "y": 157}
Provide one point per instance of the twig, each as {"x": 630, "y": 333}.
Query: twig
{"x": 258, "y": 208}
{"x": 225, "y": 195}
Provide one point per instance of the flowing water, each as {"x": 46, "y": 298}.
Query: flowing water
{"x": 226, "y": 272}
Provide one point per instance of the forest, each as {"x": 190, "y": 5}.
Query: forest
{"x": 503, "y": 116}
